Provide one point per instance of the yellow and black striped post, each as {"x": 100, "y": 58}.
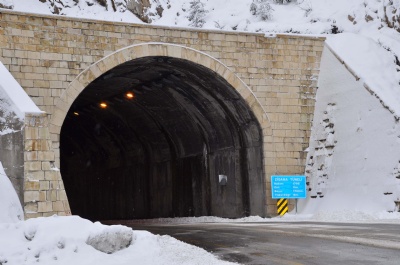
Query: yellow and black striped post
{"x": 282, "y": 206}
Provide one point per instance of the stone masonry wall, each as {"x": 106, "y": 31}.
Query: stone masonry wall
{"x": 44, "y": 193}
{"x": 46, "y": 53}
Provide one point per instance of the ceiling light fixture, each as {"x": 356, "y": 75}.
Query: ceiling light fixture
{"x": 130, "y": 95}
{"x": 76, "y": 113}
{"x": 103, "y": 105}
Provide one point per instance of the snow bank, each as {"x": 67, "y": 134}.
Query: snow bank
{"x": 62, "y": 240}
{"x": 201, "y": 219}
{"x": 340, "y": 216}
{"x": 10, "y": 207}
{"x": 12, "y": 92}
{"x": 343, "y": 216}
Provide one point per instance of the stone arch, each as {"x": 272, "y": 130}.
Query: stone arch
{"x": 150, "y": 50}
{"x": 153, "y": 49}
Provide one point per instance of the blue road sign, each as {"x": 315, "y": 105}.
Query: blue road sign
{"x": 288, "y": 187}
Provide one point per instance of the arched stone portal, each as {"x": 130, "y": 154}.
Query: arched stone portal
{"x": 161, "y": 153}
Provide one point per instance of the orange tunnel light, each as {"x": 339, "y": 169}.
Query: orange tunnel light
{"x": 130, "y": 95}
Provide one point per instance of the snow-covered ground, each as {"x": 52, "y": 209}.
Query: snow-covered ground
{"x": 62, "y": 240}
{"x": 341, "y": 216}
{"x": 69, "y": 240}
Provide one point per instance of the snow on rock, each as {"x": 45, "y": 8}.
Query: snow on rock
{"x": 111, "y": 239}
{"x": 14, "y": 96}
{"x": 8, "y": 4}
{"x": 10, "y": 207}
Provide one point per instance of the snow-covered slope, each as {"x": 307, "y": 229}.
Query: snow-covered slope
{"x": 10, "y": 207}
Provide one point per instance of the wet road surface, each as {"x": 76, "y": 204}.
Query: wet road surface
{"x": 289, "y": 243}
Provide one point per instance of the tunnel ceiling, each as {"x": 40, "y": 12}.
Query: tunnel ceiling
{"x": 162, "y": 139}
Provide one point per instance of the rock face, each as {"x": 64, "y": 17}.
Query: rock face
{"x": 111, "y": 239}
{"x": 141, "y": 9}
{"x": 8, "y": 4}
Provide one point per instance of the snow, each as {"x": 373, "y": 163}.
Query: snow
{"x": 338, "y": 216}
{"x": 62, "y": 240}
{"x": 355, "y": 48}
{"x": 16, "y": 99}
{"x": 81, "y": 9}
{"x": 10, "y": 206}
{"x": 7, "y": 131}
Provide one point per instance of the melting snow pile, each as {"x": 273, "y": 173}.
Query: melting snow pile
{"x": 73, "y": 240}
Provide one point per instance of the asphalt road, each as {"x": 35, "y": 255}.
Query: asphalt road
{"x": 289, "y": 243}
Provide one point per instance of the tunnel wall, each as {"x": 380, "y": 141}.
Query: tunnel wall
{"x": 47, "y": 53}
{"x": 160, "y": 153}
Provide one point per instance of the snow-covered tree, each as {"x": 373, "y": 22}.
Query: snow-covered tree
{"x": 197, "y": 14}
{"x": 261, "y": 9}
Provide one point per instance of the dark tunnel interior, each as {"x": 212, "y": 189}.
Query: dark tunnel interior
{"x": 160, "y": 145}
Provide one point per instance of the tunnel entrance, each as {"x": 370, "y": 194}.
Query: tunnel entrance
{"x": 161, "y": 137}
